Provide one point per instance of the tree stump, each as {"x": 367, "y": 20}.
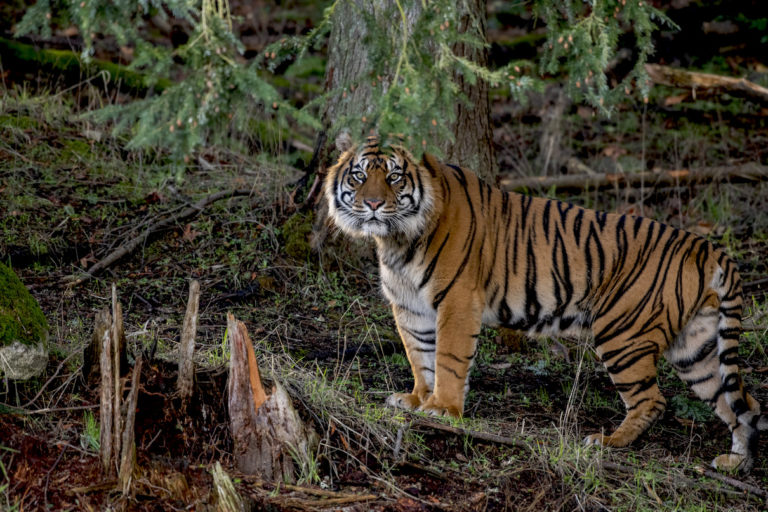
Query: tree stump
{"x": 117, "y": 415}
{"x": 269, "y": 437}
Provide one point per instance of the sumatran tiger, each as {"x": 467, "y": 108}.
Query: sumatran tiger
{"x": 455, "y": 253}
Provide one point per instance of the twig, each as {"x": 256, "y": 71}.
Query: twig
{"x": 747, "y": 172}
{"x": 47, "y": 410}
{"x": 55, "y": 374}
{"x": 135, "y": 242}
{"x": 104, "y": 486}
{"x": 48, "y": 474}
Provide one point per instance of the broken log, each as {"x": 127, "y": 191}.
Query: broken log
{"x": 187, "y": 350}
{"x": 649, "y": 179}
{"x": 268, "y": 435}
{"x": 674, "y": 77}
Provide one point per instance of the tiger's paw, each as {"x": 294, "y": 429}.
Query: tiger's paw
{"x": 614, "y": 440}
{"x": 732, "y": 462}
{"x": 595, "y": 439}
{"x": 433, "y": 408}
{"x": 408, "y": 401}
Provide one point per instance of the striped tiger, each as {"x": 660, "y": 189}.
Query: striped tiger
{"x": 455, "y": 253}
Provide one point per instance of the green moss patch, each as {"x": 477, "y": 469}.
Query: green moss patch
{"x": 296, "y": 231}
{"x": 21, "y": 318}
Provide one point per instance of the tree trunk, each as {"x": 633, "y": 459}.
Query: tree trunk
{"x": 348, "y": 62}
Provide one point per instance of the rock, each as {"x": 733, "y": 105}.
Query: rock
{"x": 23, "y": 330}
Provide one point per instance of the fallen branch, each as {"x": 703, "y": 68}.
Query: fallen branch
{"x": 324, "y": 493}
{"x": 322, "y": 503}
{"x": 743, "y": 172}
{"x": 132, "y": 244}
{"x": 737, "y": 484}
{"x": 665, "y": 75}
{"x": 483, "y": 436}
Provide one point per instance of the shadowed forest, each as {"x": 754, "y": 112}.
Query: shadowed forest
{"x": 141, "y": 155}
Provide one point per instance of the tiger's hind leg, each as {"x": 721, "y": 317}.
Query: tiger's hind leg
{"x": 631, "y": 365}
{"x": 705, "y": 357}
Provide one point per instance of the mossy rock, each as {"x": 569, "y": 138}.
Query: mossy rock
{"x": 23, "y": 330}
{"x": 296, "y": 231}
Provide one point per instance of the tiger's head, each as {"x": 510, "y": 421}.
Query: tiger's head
{"x": 380, "y": 192}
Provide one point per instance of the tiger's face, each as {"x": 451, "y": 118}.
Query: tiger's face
{"x": 380, "y": 193}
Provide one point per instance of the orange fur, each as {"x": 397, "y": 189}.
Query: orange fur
{"x": 456, "y": 253}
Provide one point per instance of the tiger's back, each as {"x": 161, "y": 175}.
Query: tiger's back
{"x": 481, "y": 255}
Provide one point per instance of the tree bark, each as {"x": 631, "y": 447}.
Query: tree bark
{"x": 348, "y": 62}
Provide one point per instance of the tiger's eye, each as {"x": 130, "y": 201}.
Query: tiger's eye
{"x": 394, "y": 178}
{"x": 359, "y": 176}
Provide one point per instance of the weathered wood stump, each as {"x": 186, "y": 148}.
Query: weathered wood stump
{"x": 116, "y": 413}
{"x": 185, "y": 381}
{"x": 269, "y": 436}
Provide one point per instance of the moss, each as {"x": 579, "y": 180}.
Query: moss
{"x": 20, "y": 315}
{"x": 74, "y": 149}
{"x": 20, "y": 122}
{"x": 296, "y": 231}
{"x": 15, "y": 53}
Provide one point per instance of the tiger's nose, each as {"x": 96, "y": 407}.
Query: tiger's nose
{"x": 373, "y": 204}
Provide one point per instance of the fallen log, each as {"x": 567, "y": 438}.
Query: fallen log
{"x": 650, "y": 179}
{"x": 665, "y": 75}
{"x": 268, "y": 435}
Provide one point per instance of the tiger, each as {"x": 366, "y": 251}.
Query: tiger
{"x": 456, "y": 253}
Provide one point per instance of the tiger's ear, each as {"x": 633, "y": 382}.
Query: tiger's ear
{"x": 344, "y": 142}
{"x": 431, "y": 163}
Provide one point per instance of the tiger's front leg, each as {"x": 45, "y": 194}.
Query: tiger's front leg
{"x": 458, "y": 327}
{"x": 417, "y": 330}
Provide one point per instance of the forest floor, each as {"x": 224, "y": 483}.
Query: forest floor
{"x": 70, "y": 194}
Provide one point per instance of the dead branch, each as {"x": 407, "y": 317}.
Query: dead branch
{"x": 306, "y": 504}
{"x": 187, "y": 350}
{"x": 665, "y": 75}
{"x": 745, "y": 172}
{"x": 737, "y": 484}
{"x": 483, "y": 436}
{"x": 135, "y": 242}
{"x": 314, "y": 491}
